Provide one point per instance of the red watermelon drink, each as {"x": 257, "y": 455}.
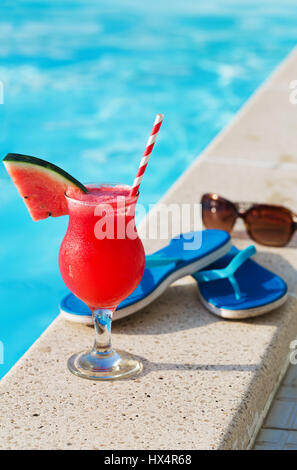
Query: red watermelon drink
{"x": 102, "y": 261}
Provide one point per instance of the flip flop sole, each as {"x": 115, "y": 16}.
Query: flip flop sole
{"x": 253, "y": 292}
{"x": 243, "y": 314}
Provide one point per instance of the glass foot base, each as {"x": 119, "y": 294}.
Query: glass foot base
{"x": 114, "y": 365}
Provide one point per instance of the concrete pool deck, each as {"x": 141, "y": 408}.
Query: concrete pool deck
{"x": 207, "y": 383}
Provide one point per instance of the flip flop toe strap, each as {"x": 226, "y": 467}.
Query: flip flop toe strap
{"x": 229, "y": 271}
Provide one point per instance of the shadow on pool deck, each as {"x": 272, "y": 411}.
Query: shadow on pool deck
{"x": 149, "y": 367}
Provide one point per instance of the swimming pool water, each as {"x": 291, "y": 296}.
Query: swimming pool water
{"x": 83, "y": 80}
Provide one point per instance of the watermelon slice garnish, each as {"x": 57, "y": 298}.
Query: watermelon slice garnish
{"x": 41, "y": 184}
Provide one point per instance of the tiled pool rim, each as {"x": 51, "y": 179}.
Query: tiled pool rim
{"x": 219, "y": 403}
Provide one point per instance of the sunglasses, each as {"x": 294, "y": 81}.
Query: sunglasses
{"x": 265, "y": 223}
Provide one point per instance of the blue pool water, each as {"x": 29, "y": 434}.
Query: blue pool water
{"x": 83, "y": 80}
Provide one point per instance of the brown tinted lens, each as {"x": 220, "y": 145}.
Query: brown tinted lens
{"x": 269, "y": 225}
{"x": 218, "y": 213}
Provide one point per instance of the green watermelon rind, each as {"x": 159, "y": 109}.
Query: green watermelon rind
{"x": 58, "y": 173}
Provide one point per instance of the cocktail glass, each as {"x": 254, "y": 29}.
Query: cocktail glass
{"x": 102, "y": 261}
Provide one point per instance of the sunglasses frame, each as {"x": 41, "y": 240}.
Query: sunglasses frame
{"x": 242, "y": 210}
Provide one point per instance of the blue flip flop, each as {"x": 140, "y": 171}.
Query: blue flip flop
{"x": 236, "y": 287}
{"x": 161, "y": 269}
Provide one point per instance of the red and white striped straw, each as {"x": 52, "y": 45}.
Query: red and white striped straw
{"x": 147, "y": 153}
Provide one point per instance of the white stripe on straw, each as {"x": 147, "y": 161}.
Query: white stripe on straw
{"x": 147, "y": 153}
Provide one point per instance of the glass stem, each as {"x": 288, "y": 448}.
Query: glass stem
{"x": 102, "y": 322}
